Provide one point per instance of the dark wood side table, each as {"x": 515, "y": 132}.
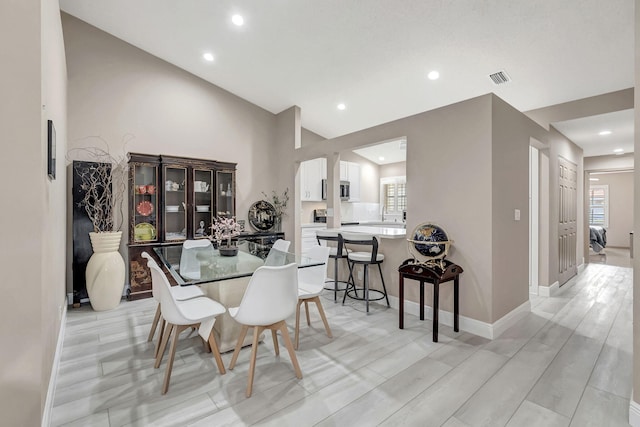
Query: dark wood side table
{"x": 435, "y": 275}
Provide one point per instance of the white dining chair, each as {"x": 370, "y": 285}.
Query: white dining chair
{"x": 277, "y": 255}
{"x": 180, "y": 293}
{"x": 310, "y": 286}
{"x": 189, "y": 263}
{"x": 281, "y": 245}
{"x": 269, "y": 299}
{"x": 181, "y": 315}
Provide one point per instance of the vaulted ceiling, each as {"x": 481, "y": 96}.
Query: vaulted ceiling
{"x": 374, "y": 56}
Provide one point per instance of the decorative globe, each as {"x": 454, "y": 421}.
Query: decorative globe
{"x": 429, "y": 242}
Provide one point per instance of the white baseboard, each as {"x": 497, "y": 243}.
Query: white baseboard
{"x": 467, "y": 324}
{"x": 634, "y": 412}
{"x": 48, "y": 404}
{"x": 549, "y": 291}
{"x": 582, "y": 266}
{"x": 509, "y": 319}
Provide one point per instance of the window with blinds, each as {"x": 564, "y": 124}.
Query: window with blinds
{"x": 599, "y": 205}
{"x": 395, "y": 197}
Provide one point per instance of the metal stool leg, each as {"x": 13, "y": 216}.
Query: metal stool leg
{"x": 350, "y": 282}
{"x": 335, "y": 279}
{"x": 383, "y": 286}
{"x": 366, "y": 285}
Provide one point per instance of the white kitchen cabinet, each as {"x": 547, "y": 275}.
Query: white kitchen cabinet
{"x": 311, "y": 173}
{"x": 353, "y": 171}
{"x": 344, "y": 171}
{"x": 350, "y": 171}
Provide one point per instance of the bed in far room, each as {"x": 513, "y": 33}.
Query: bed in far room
{"x": 597, "y": 238}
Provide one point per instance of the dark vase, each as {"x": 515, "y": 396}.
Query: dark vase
{"x": 228, "y": 250}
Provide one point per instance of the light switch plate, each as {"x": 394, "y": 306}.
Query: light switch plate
{"x": 516, "y": 214}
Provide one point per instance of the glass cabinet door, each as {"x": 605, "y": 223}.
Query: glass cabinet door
{"x": 203, "y": 188}
{"x": 145, "y": 203}
{"x": 175, "y": 203}
{"x": 225, "y": 190}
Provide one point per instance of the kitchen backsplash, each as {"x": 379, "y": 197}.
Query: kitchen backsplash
{"x": 355, "y": 211}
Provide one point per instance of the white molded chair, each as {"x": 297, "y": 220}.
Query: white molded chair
{"x": 270, "y": 298}
{"x": 179, "y": 316}
{"x": 277, "y": 255}
{"x": 281, "y": 245}
{"x": 180, "y": 293}
{"x": 310, "y": 286}
{"x": 189, "y": 264}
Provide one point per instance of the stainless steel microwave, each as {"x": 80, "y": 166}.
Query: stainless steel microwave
{"x": 344, "y": 190}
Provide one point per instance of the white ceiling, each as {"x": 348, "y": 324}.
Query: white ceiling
{"x": 374, "y": 55}
{"x": 586, "y": 133}
{"x": 385, "y": 153}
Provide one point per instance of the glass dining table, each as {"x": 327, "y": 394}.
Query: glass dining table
{"x": 225, "y": 278}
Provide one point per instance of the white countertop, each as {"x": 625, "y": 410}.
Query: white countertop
{"x": 379, "y": 231}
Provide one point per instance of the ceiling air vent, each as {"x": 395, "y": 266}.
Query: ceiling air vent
{"x": 499, "y": 78}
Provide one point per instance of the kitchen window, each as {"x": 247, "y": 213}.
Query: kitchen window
{"x": 599, "y": 205}
{"x": 394, "y": 194}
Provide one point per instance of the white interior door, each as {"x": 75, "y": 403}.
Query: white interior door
{"x": 567, "y": 219}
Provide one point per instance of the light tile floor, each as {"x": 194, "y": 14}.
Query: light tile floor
{"x": 567, "y": 363}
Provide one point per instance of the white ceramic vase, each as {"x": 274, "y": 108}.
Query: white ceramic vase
{"x": 105, "y": 271}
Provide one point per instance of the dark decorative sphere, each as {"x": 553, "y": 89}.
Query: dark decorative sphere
{"x": 430, "y": 233}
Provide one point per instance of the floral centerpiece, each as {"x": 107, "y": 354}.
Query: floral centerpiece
{"x": 225, "y": 229}
{"x": 280, "y": 205}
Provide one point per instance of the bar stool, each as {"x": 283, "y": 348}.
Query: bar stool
{"x": 365, "y": 259}
{"x": 336, "y": 253}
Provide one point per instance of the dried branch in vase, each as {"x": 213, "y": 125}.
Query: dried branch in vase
{"x": 279, "y": 202}
{"x": 104, "y": 183}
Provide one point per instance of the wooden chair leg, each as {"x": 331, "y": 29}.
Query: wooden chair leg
{"x": 257, "y": 330}
{"x": 160, "y": 335}
{"x": 216, "y": 352}
{"x": 306, "y": 310}
{"x": 322, "y": 315}
{"x": 165, "y": 337}
{"x": 297, "y": 333}
{"x": 172, "y": 355}
{"x": 287, "y": 342}
{"x": 274, "y": 335}
{"x": 154, "y": 325}
{"x": 236, "y": 351}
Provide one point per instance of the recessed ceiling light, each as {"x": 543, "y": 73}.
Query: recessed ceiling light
{"x": 604, "y": 132}
{"x": 433, "y": 75}
{"x": 594, "y": 179}
{"x": 341, "y": 106}
{"x": 381, "y": 158}
{"x": 238, "y": 20}
{"x": 208, "y": 56}
{"x": 618, "y": 150}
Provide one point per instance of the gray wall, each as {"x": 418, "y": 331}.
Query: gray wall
{"x": 33, "y": 87}
{"x": 620, "y": 206}
{"x": 116, "y": 89}
{"x": 509, "y": 191}
{"x": 393, "y": 169}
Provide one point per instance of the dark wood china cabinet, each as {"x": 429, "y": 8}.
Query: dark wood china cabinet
{"x": 172, "y": 199}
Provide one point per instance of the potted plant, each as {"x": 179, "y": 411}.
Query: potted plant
{"x": 103, "y": 183}
{"x": 223, "y": 230}
{"x": 280, "y": 205}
